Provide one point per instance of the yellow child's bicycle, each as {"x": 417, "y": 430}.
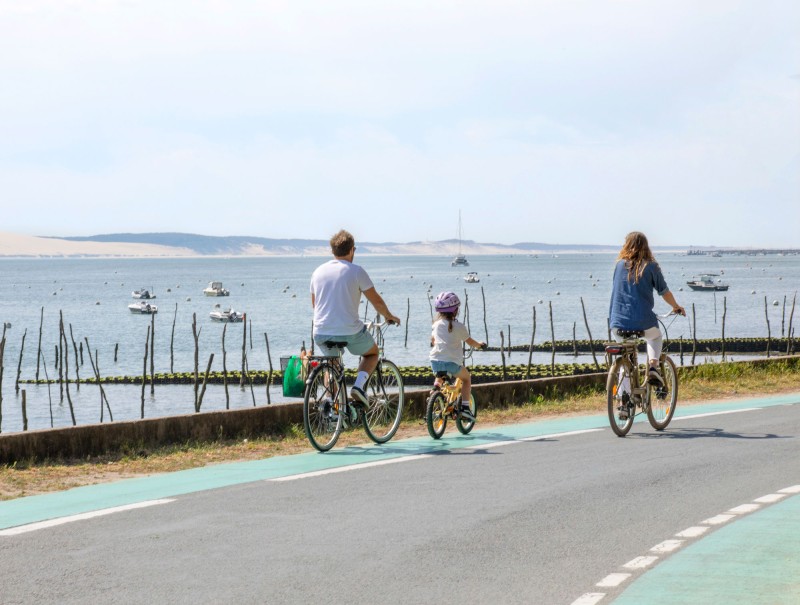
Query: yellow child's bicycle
{"x": 444, "y": 404}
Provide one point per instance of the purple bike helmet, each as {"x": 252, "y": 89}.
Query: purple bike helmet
{"x": 447, "y": 302}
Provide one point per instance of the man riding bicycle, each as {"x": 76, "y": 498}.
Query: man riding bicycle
{"x": 336, "y": 288}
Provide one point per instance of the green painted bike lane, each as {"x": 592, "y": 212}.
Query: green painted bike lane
{"x": 32, "y": 509}
{"x": 755, "y": 560}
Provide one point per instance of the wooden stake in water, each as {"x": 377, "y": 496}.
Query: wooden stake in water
{"x": 790, "y": 332}
{"x": 244, "y": 353}
{"x": 769, "y": 334}
{"x": 225, "y": 369}
{"x": 502, "y": 354}
{"x": 724, "y": 313}
{"x": 783, "y": 315}
{"x": 269, "y": 376}
{"x": 196, "y": 336}
{"x": 96, "y": 369}
{"x": 408, "y": 314}
{"x": 172, "y": 342}
{"x": 589, "y": 332}
{"x": 552, "y": 342}
{"x": 509, "y": 341}
{"x": 486, "y": 329}
{"x": 77, "y": 365}
{"x": 24, "y": 410}
{"x": 574, "y": 342}
{"x": 39, "y": 350}
{"x": 152, "y": 354}
{"x": 64, "y": 349}
{"x": 205, "y": 381}
{"x": 694, "y": 334}
{"x": 49, "y": 392}
{"x": 144, "y": 368}
{"x": 19, "y": 365}
{"x": 530, "y": 348}
{"x": 2, "y": 354}
{"x": 116, "y": 350}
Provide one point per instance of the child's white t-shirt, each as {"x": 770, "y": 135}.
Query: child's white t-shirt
{"x": 446, "y": 344}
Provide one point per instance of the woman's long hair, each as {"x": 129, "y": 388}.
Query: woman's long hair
{"x": 636, "y": 254}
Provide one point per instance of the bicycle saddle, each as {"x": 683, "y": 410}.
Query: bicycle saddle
{"x": 630, "y": 333}
{"x": 335, "y": 344}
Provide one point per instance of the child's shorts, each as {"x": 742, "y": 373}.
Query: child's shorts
{"x": 450, "y": 367}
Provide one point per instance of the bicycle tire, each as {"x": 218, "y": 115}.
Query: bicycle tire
{"x": 435, "y": 417}
{"x": 615, "y": 398}
{"x": 322, "y": 399}
{"x": 663, "y": 401}
{"x": 465, "y": 426}
{"x": 386, "y": 395}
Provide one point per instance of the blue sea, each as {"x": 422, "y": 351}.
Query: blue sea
{"x": 94, "y": 294}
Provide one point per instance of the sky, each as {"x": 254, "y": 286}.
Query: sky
{"x": 558, "y": 121}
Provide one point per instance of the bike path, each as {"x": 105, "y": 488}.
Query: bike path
{"x": 32, "y": 509}
{"x": 755, "y": 560}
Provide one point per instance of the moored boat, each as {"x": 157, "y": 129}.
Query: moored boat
{"x": 226, "y": 315}
{"x": 215, "y": 289}
{"x": 142, "y": 307}
{"x": 143, "y": 293}
{"x": 705, "y": 283}
{"x": 472, "y": 278}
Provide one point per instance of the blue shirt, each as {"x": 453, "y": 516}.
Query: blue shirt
{"x": 632, "y": 303}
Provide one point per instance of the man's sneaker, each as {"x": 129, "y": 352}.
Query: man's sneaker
{"x": 623, "y": 412}
{"x": 654, "y": 377}
{"x": 466, "y": 414}
{"x": 359, "y": 396}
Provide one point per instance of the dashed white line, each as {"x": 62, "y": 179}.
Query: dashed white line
{"x": 718, "y": 519}
{"x": 640, "y": 562}
{"x": 692, "y": 532}
{"x": 612, "y": 580}
{"x": 770, "y": 498}
{"x": 743, "y": 509}
{"x": 590, "y": 598}
{"x": 667, "y": 546}
{"x": 21, "y": 529}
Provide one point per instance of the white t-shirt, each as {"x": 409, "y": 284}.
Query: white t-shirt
{"x": 337, "y": 286}
{"x": 447, "y": 345}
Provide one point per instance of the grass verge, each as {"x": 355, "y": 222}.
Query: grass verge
{"x": 707, "y": 382}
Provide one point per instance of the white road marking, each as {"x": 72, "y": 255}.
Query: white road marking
{"x": 640, "y": 562}
{"x": 769, "y": 498}
{"x": 21, "y": 529}
{"x": 744, "y": 509}
{"x": 692, "y": 532}
{"x": 352, "y": 467}
{"x": 718, "y": 520}
{"x": 483, "y": 446}
{"x": 716, "y": 413}
{"x": 795, "y": 489}
{"x": 590, "y": 598}
{"x": 612, "y": 580}
{"x": 667, "y": 546}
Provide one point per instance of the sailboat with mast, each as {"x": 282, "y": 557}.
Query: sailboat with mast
{"x": 460, "y": 260}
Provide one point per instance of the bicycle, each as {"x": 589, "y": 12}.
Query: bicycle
{"x": 444, "y": 404}
{"x": 326, "y": 410}
{"x": 627, "y": 387}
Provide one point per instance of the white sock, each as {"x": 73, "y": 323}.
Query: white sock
{"x": 464, "y": 404}
{"x": 361, "y": 380}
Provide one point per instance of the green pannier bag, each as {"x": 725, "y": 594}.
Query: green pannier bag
{"x": 293, "y": 382}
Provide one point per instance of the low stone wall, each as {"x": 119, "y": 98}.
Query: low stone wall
{"x": 97, "y": 439}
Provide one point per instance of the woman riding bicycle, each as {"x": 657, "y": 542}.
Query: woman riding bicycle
{"x": 636, "y": 275}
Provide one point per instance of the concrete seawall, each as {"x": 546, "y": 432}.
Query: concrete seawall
{"x": 97, "y": 439}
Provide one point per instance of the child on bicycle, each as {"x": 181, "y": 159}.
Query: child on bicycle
{"x": 446, "y": 355}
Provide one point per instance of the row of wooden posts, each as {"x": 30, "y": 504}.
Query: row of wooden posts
{"x": 62, "y": 356}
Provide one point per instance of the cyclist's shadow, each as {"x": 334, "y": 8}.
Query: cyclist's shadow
{"x": 705, "y": 433}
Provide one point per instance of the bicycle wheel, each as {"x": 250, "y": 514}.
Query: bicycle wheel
{"x": 321, "y": 403}
{"x": 663, "y": 399}
{"x": 620, "y": 406}
{"x": 384, "y": 390}
{"x": 435, "y": 416}
{"x": 465, "y": 426}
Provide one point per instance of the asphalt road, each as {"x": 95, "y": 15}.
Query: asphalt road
{"x": 506, "y": 516}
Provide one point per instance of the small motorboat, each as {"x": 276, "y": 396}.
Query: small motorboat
{"x": 226, "y": 315}
{"x": 142, "y": 307}
{"x": 472, "y": 278}
{"x": 705, "y": 283}
{"x": 143, "y": 294}
{"x": 215, "y": 289}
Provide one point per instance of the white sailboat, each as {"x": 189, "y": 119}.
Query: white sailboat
{"x": 460, "y": 260}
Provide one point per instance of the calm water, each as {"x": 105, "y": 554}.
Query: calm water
{"x": 93, "y": 295}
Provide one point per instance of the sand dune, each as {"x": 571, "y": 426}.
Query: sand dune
{"x": 15, "y": 244}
